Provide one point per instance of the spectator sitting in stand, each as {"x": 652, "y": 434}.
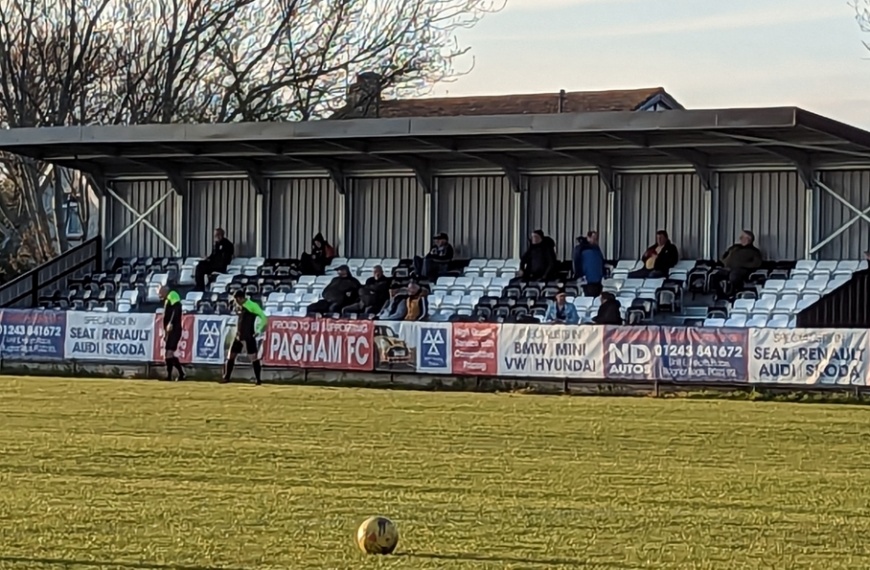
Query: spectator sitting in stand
{"x": 322, "y": 254}
{"x": 391, "y": 307}
{"x": 341, "y": 292}
{"x": 608, "y": 312}
{"x": 216, "y": 262}
{"x": 560, "y": 312}
{"x": 739, "y": 261}
{"x": 589, "y": 263}
{"x": 413, "y": 307}
{"x": 659, "y": 259}
{"x": 372, "y": 295}
{"x": 437, "y": 261}
{"x": 539, "y": 261}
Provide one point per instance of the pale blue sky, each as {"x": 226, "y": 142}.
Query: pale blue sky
{"x": 706, "y": 53}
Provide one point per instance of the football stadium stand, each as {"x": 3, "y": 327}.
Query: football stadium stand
{"x": 380, "y": 187}
{"x": 484, "y": 290}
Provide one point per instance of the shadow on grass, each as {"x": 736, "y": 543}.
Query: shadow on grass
{"x": 468, "y": 556}
{"x": 66, "y": 563}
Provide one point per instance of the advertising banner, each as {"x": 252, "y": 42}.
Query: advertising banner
{"x": 676, "y": 353}
{"x": 475, "y": 349}
{"x": 37, "y": 335}
{"x": 109, "y": 337}
{"x": 550, "y": 351}
{"x": 413, "y": 347}
{"x": 183, "y": 352}
{"x": 208, "y": 346}
{"x": 319, "y": 343}
{"x": 629, "y": 353}
{"x": 703, "y": 355}
{"x": 806, "y": 356}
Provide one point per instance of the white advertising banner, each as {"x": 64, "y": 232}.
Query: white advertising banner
{"x": 551, "y": 351}
{"x": 109, "y": 337}
{"x": 808, "y": 356}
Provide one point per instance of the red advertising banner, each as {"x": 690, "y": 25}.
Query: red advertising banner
{"x": 319, "y": 343}
{"x": 475, "y": 349}
{"x": 185, "y": 346}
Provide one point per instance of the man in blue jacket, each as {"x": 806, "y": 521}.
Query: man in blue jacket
{"x": 589, "y": 263}
{"x": 561, "y": 312}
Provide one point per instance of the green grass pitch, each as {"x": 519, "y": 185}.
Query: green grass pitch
{"x": 148, "y": 475}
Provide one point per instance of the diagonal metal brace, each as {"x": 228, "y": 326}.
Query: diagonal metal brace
{"x": 420, "y": 167}
{"x": 508, "y": 166}
{"x": 598, "y": 161}
{"x": 699, "y": 162}
{"x": 140, "y": 218}
{"x": 332, "y": 167}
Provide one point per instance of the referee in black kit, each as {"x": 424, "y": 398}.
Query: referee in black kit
{"x": 173, "y": 330}
{"x": 247, "y": 331}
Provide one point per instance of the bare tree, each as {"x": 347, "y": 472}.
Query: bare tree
{"x": 73, "y": 62}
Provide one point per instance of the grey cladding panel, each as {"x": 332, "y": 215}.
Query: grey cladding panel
{"x": 222, "y": 203}
{"x": 568, "y": 206}
{"x": 771, "y": 204}
{"x": 670, "y": 202}
{"x": 477, "y": 212}
{"x": 298, "y": 209}
{"x": 387, "y": 217}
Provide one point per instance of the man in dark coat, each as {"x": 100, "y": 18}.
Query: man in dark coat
{"x": 437, "y": 261}
{"x": 738, "y": 263}
{"x": 341, "y": 292}
{"x": 217, "y": 262}
{"x": 539, "y": 261}
{"x": 658, "y": 259}
{"x": 609, "y": 310}
{"x": 372, "y": 295}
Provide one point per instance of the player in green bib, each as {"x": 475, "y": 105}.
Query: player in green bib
{"x": 172, "y": 330}
{"x": 252, "y": 322}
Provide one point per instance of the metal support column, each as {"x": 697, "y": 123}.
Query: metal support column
{"x": 258, "y": 207}
{"x": 810, "y": 220}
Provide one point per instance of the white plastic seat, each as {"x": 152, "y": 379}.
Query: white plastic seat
{"x": 271, "y": 308}
{"x": 161, "y": 278}
{"x": 779, "y": 321}
{"x": 849, "y": 265}
{"x": 468, "y": 301}
{"x": 827, "y": 266}
{"x": 495, "y": 264}
{"x": 631, "y": 285}
{"x": 684, "y": 265}
{"x": 757, "y": 322}
{"x": 446, "y": 281}
{"x": 477, "y": 264}
{"x": 612, "y": 285}
{"x": 153, "y": 295}
{"x": 434, "y": 301}
{"x": 773, "y": 286}
{"x": 714, "y": 323}
{"x": 807, "y": 300}
{"x": 513, "y": 264}
{"x": 501, "y": 282}
{"x": 483, "y": 282}
{"x": 186, "y": 276}
{"x": 816, "y": 285}
{"x": 742, "y": 306}
{"x": 736, "y": 321}
{"x": 463, "y": 282}
{"x": 494, "y": 292}
{"x": 583, "y": 302}
{"x": 764, "y": 305}
{"x": 835, "y": 283}
{"x": 786, "y": 305}
{"x": 322, "y": 280}
{"x": 794, "y": 286}
{"x": 306, "y": 281}
{"x": 804, "y": 266}
{"x": 451, "y": 302}
{"x": 192, "y": 296}
{"x": 235, "y": 269}
{"x": 309, "y": 299}
{"x": 678, "y": 275}
{"x": 627, "y": 265}
{"x": 390, "y": 263}
{"x": 276, "y": 297}
{"x": 123, "y": 308}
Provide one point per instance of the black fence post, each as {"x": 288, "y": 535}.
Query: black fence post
{"x": 34, "y": 288}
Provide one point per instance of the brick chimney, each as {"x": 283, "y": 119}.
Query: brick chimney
{"x": 364, "y": 96}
